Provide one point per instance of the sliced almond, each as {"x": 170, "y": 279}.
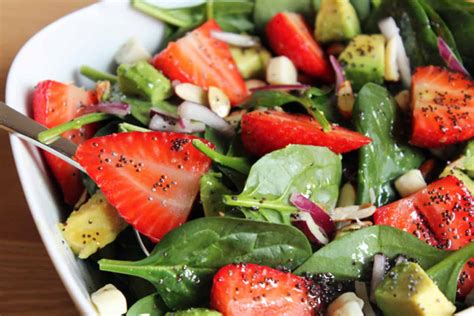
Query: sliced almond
{"x": 352, "y": 212}
{"x": 235, "y": 117}
{"x": 281, "y": 70}
{"x": 345, "y": 98}
{"x": 218, "y": 101}
{"x": 191, "y": 92}
{"x": 403, "y": 100}
{"x": 254, "y": 83}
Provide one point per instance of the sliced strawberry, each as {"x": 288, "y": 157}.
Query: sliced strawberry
{"x": 151, "y": 178}
{"x": 200, "y": 59}
{"x": 446, "y": 210}
{"x": 254, "y": 290}
{"x": 443, "y": 107}
{"x": 289, "y": 35}
{"x": 55, "y": 103}
{"x": 266, "y": 131}
{"x": 405, "y": 215}
{"x": 466, "y": 280}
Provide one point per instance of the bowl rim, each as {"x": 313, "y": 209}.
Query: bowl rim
{"x": 83, "y": 305}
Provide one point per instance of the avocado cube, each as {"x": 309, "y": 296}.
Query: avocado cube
{"x": 407, "y": 290}
{"x": 95, "y": 225}
{"x": 336, "y": 21}
{"x": 144, "y": 80}
{"x": 363, "y": 60}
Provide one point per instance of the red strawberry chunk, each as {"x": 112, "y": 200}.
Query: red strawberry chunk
{"x": 443, "y": 107}
{"x": 266, "y": 131}
{"x": 55, "y": 103}
{"x": 466, "y": 280}
{"x": 200, "y": 59}
{"x": 151, "y": 178}
{"x": 289, "y": 35}
{"x": 446, "y": 208}
{"x": 254, "y": 290}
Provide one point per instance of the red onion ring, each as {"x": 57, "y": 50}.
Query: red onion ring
{"x": 450, "y": 58}
{"x": 320, "y": 217}
{"x": 114, "y": 108}
{"x": 340, "y": 78}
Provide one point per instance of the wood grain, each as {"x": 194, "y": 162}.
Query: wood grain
{"x": 29, "y": 284}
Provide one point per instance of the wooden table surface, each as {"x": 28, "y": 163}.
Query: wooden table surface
{"x": 29, "y": 284}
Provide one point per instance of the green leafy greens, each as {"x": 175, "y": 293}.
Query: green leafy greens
{"x": 182, "y": 265}
{"x": 350, "y": 257}
{"x": 385, "y": 158}
{"x": 310, "y": 170}
{"x": 446, "y": 272}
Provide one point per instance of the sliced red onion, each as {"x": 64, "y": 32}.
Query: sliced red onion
{"x": 234, "y": 39}
{"x": 378, "y": 273}
{"x": 169, "y": 124}
{"x": 281, "y": 87}
{"x": 389, "y": 29}
{"x": 154, "y": 111}
{"x": 338, "y": 70}
{"x": 114, "y": 108}
{"x": 315, "y": 234}
{"x": 450, "y": 58}
{"x": 320, "y": 217}
{"x": 192, "y": 127}
{"x": 198, "y": 112}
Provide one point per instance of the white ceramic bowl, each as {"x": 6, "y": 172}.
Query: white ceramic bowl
{"x": 90, "y": 36}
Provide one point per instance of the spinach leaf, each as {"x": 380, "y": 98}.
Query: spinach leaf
{"x": 469, "y": 160}
{"x": 310, "y": 170}
{"x": 266, "y": 9}
{"x": 181, "y": 17}
{"x": 446, "y": 272}
{"x": 459, "y": 17}
{"x": 419, "y": 39}
{"x": 240, "y": 164}
{"x": 362, "y": 8}
{"x": 439, "y": 27}
{"x": 215, "y": 138}
{"x": 151, "y": 305}
{"x": 211, "y": 192}
{"x": 182, "y": 265}
{"x": 350, "y": 257}
{"x": 140, "y": 110}
{"x": 315, "y": 101}
{"x": 231, "y": 15}
{"x": 385, "y": 158}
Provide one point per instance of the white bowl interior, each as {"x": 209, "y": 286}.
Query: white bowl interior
{"x": 90, "y": 36}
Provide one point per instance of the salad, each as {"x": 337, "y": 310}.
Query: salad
{"x": 276, "y": 158}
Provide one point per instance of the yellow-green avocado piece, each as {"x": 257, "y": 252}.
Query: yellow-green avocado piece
{"x": 93, "y": 226}
{"x": 407, "y": 290}
{"x": 144, "y": 80}
{"x": 251, "y": 62}
{"x": 336, "y": 21}
{"x": 363, "y": 60}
